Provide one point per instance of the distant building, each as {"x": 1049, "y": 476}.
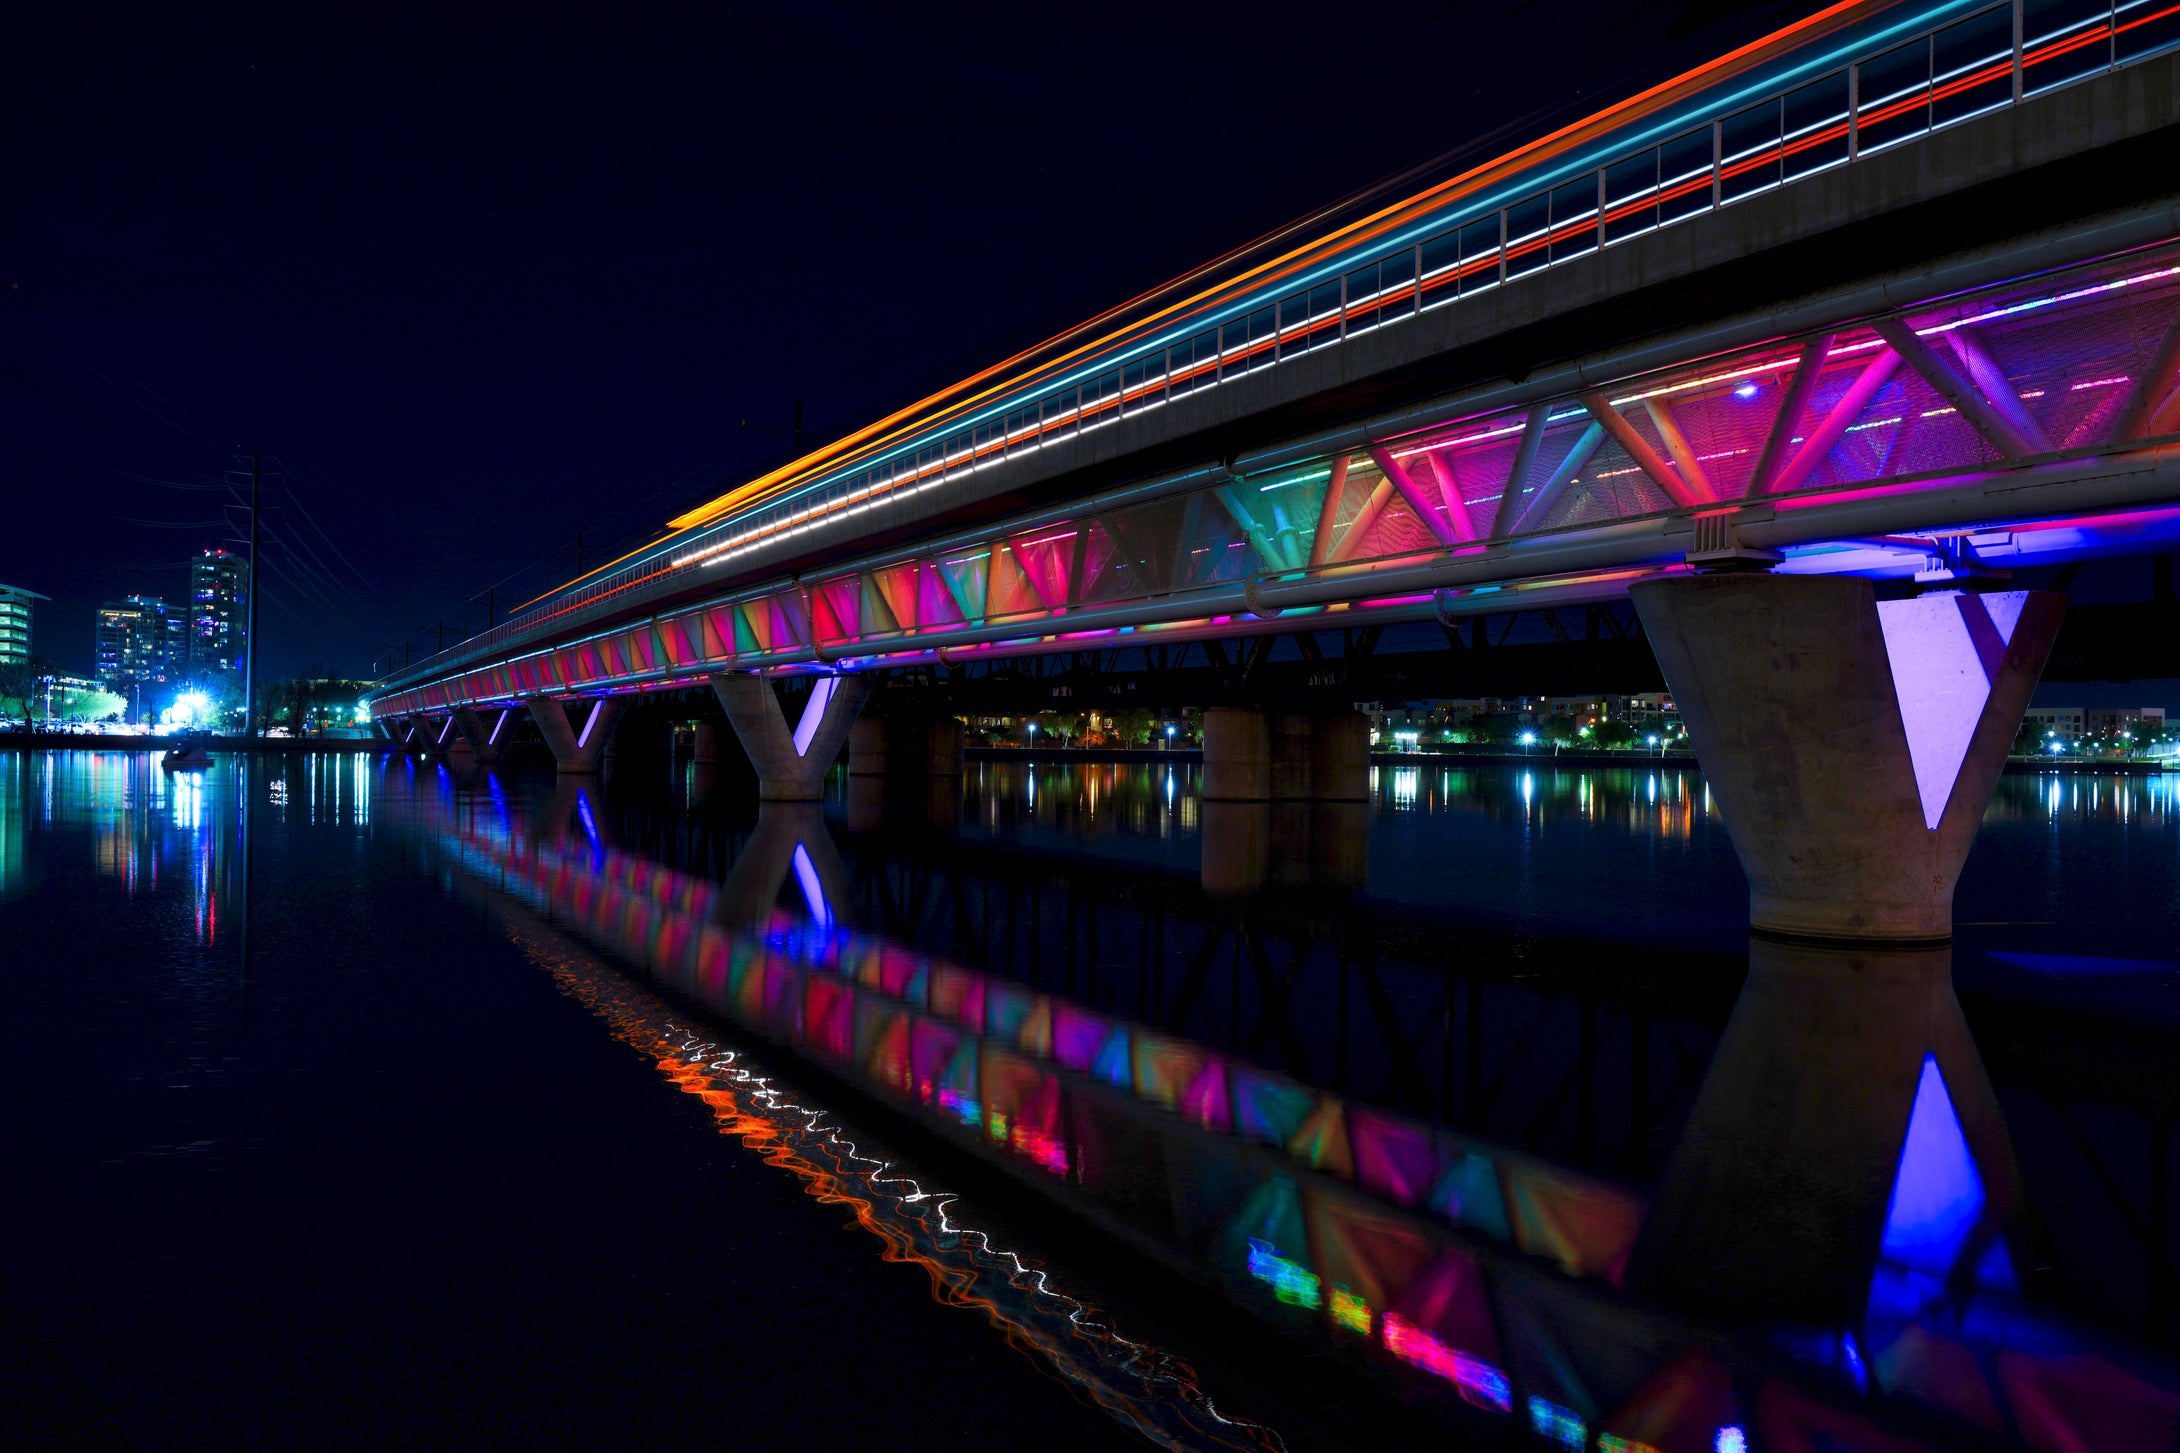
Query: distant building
{"x": 219, "y": 594}
{"x": 138, "y": 643}
{"x": 2135, "y": 719}
{"x": 15, "y": 623}
{"x": 2043, "y": 721}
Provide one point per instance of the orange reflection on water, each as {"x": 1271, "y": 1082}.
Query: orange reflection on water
{"x": 1151, "y": 1391}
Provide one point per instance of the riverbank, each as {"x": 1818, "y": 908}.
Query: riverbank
{"x": 2070, "y": 766}
{"x": 93, "y": 742}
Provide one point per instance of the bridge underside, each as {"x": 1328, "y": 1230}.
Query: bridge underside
{"x": 2032, "y": 423}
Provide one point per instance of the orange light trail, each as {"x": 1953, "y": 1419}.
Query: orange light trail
{"x": 927, "y": 412}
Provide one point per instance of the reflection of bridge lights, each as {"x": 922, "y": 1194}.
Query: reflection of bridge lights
{"x": 1561, "y": 1427}
{"x": 1480, "y": 1383}
{"x": 1291, "y": 1282}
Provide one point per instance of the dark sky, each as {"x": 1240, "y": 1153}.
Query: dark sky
{"x": 482, "y": 279}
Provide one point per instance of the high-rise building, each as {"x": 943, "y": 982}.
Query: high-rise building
{"x": 136, "y": 642}
{"x": 219, "y": 592}
{"x": 15, "y": 623}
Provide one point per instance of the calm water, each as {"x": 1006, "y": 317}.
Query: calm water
{"x": 356, "y": 1103}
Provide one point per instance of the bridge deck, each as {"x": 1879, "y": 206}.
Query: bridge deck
{"x": 1573, "y": 481}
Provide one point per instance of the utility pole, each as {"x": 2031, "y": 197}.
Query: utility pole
{"x": 249, "y": 626}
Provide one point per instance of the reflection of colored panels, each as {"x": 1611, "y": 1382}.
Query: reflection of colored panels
{"x": 1018, "y": 1017}
{"x": 2081, "y": 1400}
{"x": 828, "y": 1017}
{"x": 958, "y": 995}
{"x": 1447, "y": 1298}
{"x": 1120, "y": 1160}
{"x": 1395, "y": 1158}
{"x": 874, "y": 1019}
{"x": 1165, "y": 1066}
{"x": 1790, "y": 1418}
{"x": 1091, "y": 1044}
{"x": 1585, "y": 1227}
{"x": 783, "y": 998}
{"x": 1184, "y": 1077}
{"x": 1006, "y": 1007}
{"x": 902, "y": 974}
{"x": 1372, "y": 1254}
{"x": 1321, "y": 1139}
{"x": 1265, "y": 1255}
{"x": 748, "y": 984}
{"x": 712, "y": 955}
{"x": 932, "y": 1050}
{"x": 1467, "y": 1193}
{"x": 1680, "y": 1408}
{"x": 1268, "y": 1107}
{"x": 1022, "y": 1109}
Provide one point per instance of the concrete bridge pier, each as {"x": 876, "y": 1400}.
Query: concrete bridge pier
{"x": 1844, "y": 1072}
{"x": 790, "y": 843}
{"x": 577, "y": 750}
{"x": 1851, "y": 744}
{"x": 900, "y": 763}
{"x": 791, "y": 764}
{"x": 483, "y": 732}
{"x": 436, "y": 736}
{"x": 1285, "y": 796}
{"x": 868, "y": 761}
{"x": 710, "y": 743}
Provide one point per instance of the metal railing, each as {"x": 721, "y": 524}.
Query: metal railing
{"x": 1996, "y": 57}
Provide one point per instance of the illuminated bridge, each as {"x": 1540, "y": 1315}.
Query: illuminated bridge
{"x": 1891, "y": 294}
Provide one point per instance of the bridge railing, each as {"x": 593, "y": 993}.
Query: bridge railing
{"x": 1996, "y": 57}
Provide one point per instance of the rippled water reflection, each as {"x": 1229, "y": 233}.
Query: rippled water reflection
{"x": 1477, "y": 1099}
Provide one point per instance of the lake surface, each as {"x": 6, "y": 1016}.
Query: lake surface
{"x": 359, "y": 1102}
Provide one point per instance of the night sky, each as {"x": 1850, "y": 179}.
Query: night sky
{"x": 481, "y": 281}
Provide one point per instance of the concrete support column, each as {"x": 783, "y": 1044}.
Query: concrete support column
{"x": 710, "y": 742}
{"x": 790, "y": 845}
{"x": 1851, "y": 744}
{"x": 436, "y": 736}
{"x": 578, "y": 747}
{"x": 1237, "y": 755}
{"x": 1236, "y": 841}
{"x": 868, "y": 743}
{"x": 1293, "y": 748}
{"x": 1340, "y": 757}
{"x": 481, "y": 731}
{"x": 943, "y": 748}
{"x": 1774, "y": 1201}
{"x": 791, "y": 764}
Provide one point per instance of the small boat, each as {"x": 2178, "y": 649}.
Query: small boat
{"x": 187, "y": 755}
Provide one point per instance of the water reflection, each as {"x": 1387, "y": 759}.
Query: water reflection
{"x": 1839, "y": 1251}
{"x": 175, "y": 835}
